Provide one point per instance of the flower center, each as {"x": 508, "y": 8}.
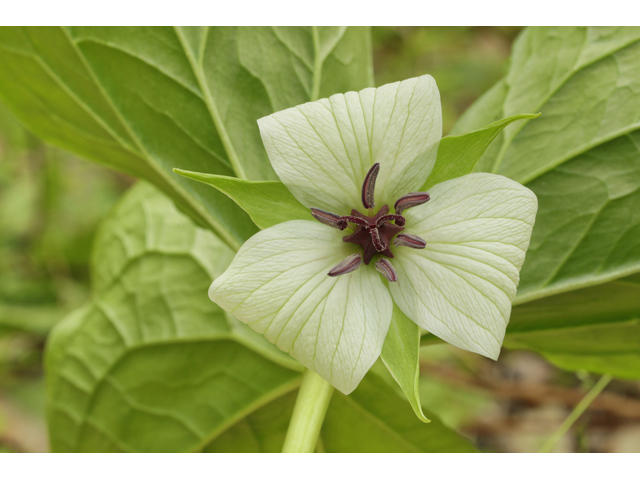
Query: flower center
{"x": 374, "y": 232}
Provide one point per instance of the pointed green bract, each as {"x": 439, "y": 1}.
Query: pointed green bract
{"x": 323, "y": 150}
{"x": 458, "y": 155}
{"x": 401, "y": 355}
{"x": 267, "y": 203}
{"x": 278, "y": 285}
{"x": 460, "y": 287}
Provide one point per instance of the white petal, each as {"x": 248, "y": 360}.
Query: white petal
{"x": 460, "y": 287}
{"x": 322, "y": 150}
{"x": 278, "y": 285}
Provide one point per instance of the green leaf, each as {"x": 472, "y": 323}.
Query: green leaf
{"x": 582, "y": 160}
{"x": 458, "y": 155}
{"x": 588, "y": 225}
{"x": 267, "y": 203}
{"x": 150, "y": 363}
{"x": 595, "y": 328}
{"x": 147, "y": 99}
{"x": 401, "y": 355}
{"x": 372, "y": 419}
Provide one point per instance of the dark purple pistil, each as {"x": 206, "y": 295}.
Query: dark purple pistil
{"x": 374, "y": 233}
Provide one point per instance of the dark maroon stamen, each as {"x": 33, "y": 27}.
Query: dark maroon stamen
{"x": 348, "y": 265}
{"x": 411, "y": 200}
{"x": 386, "y": 269}
{"x": 409, "y": 240}
{"x": 399, "y": 219}
{"x": 369, "y": 185}
{"x": 376, "y": 236}
{"x": 377, "y": 242}
{"x": 374, "y": 233}
{"x": 362, "y": 222}
{"x": 329, "y": 218}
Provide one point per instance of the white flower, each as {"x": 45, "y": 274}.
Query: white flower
{"x": 451, "y": 264}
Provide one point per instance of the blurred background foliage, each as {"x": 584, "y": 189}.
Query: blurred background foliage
{"x": 52, "y": 202}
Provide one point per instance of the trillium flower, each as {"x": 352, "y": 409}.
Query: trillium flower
{"x": 324, "y": 289}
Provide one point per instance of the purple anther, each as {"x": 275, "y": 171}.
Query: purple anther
{"x": 411, "y": 200}
{"x": 399, "y": 219}
{"x": 377, "y": 241}
{"x": 329, "y": 218}
{"x": 409, "y": 240}
{"x": 386, "y": 269}
{"x": 369, "y": 185}
{"x": 355, "y": 220}
{"x": 348, "y": 265}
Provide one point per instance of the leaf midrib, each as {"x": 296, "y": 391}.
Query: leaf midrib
{"x": 197, "y": 69}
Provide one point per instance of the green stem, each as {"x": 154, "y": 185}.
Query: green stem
{"x": 550, "y": 444}
{"x": 308, "y": 414}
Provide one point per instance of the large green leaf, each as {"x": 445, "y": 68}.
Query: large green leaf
{"x": 582, "y": 159}
{"x": 372, "y": 419}
{"x": 145, "y": 100}
{"x": 151, "y": 364}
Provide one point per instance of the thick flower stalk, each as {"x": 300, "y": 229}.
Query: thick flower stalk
{"x": 323, "y": 290}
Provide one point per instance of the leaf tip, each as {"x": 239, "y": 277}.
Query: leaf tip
{"x": 420, "y": 414}
{"x": 182, "y": 172}
{"x": 188, "y": 174}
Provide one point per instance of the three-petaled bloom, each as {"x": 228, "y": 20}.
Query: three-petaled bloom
{"x": 449, "y": 259}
